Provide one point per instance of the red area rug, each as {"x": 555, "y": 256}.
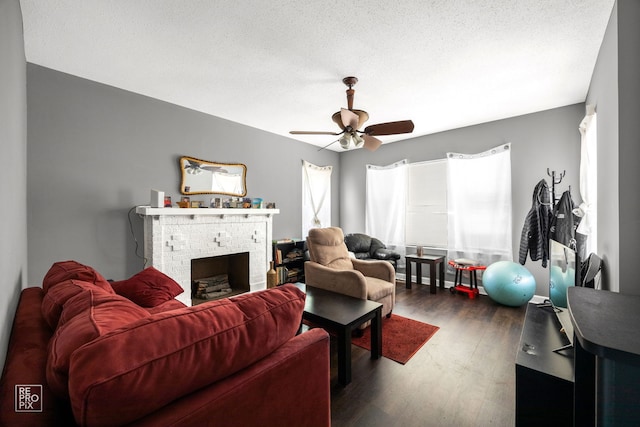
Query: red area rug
{"x": 401, "y": 337}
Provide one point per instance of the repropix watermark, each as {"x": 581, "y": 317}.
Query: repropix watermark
{"x": 28, "y": 398}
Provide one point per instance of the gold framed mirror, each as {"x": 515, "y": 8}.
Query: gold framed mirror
{"x": 205, "y": 177}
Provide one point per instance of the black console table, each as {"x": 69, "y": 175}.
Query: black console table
{"x": 607, "y": 357}
{"x": 544, "y": 377}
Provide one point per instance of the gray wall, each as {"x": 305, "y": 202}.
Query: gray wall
{"x": 603, "y": 93}
{"x": 13, "y": 176}
{"x": 95, "y": 151}
{"x": 629, "y": 143}
{"x": 615, "y": 91}
{"x": 548, "y": 139}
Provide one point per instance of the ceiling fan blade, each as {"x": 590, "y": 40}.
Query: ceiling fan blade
{"x": 310, "y": 132}
{"x": 349, "y": 118}
{"x": 390, "y": 128}
{"x": 371, "y": 143}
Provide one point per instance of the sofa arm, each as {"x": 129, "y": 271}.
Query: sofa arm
{"x": 25, "y": 364}
{"x": 346, "y": 282}
{"x": 382, "y": 270}
{"x": 386, "y": 254}
{"x": 264, "y": 393}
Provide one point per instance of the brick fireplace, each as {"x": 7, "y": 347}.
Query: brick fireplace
{"x": 176, "y": 237}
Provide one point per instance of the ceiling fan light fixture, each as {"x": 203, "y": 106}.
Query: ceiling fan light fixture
{"x": 194, "y": 169}
{"x": 345, "y": 141}
{"x": 357, "y": 140}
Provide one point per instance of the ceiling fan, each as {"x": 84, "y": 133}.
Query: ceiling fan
{"x": 350, "y": 120}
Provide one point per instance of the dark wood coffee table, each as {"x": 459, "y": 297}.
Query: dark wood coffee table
{"x": 341, "y": 314}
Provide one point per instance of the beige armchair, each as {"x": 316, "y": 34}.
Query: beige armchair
{"x": 331, "y": 268}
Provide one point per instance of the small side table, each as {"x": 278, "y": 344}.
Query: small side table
{"x": 433, "y": 261}
{"x": 342, "y": 314}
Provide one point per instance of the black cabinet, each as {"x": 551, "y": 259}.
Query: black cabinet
{"x": 607, "y": 339}
{"x": 544, "y": 377}
{"x": 288, "y": 257}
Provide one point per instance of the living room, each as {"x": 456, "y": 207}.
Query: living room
{"x": 80, "y": 154}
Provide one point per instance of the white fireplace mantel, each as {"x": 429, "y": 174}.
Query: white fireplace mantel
{"x": 149, "y": 211}
{"x": 175, "y": 236}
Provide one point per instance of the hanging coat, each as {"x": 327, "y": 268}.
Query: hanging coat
{"x": 564, "y": 222}
{"x": 535, "y": 232}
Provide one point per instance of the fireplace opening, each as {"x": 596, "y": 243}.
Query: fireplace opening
{"x": 219, "y": 277}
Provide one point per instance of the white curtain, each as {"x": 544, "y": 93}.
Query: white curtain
{"x": 479, "y": 205}
{"x": 316, "y": 197}
{"x": 589, "y": 182}
{"x": 386, "y": 204}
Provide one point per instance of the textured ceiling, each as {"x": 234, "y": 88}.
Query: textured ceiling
{"x": 278, "y": 65}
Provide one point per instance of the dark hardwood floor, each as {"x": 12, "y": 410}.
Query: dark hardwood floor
{"x": 463, "y": 376}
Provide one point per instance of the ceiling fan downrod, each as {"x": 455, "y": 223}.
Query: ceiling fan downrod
{"x": 350, "y": 82}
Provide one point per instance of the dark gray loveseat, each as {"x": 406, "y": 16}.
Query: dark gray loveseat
{"x": 367, "y": 247}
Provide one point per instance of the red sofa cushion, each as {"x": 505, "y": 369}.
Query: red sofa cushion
{"x": 183, "y": 351}
{"x": 65, "y": 270}
{"x": 85, "y": 316}
{"x": 172, "y": 304}
{"x": 54, "y": 300}
{"x": 148, "y": 288}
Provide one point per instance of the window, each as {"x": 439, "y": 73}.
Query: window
{"x": 316, "y": 197}
{"x": 462, "y": 204}
{"x": 426, "y": 215}
{"x": 386, "y": 200}
{"x": 479, "y": 205}
{"x": 588, "y": 209}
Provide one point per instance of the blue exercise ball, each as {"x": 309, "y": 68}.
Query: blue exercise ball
{"x": 509, "y": 283}
{"x": 559, "y": 281}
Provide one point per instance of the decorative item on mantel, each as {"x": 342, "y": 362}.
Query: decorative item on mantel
{"x": 157, "y": 198}
{"x": 185, "y": 202}
{"x": 214, "y": 203}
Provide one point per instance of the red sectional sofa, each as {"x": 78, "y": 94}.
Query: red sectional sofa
{"x": 94, "y": 357}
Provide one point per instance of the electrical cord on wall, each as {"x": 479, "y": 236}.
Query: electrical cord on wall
{"x": 133, "y": 234}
